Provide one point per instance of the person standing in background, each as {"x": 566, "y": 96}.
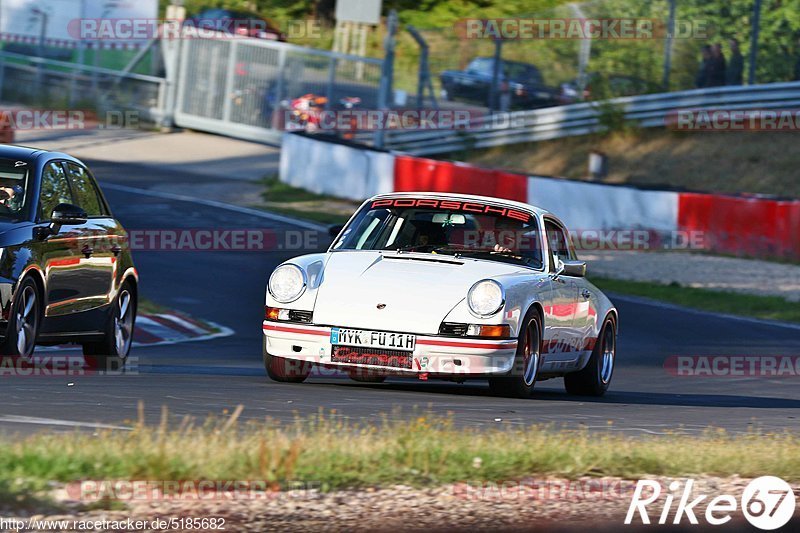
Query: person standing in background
{"x": 716, "y": 75}
{"x": 733, "y": 74}
{"x": 702, "y": 78}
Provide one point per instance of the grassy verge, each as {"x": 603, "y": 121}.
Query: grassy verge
{"x": 754, "y": 306}
{"x": 284, "y": 199}
{"x": 338, "y": 453}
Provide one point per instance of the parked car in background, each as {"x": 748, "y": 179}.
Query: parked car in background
{"x": 598, "y": 87}
{"x": 236, "y": 22}
{"x": 521, "y": 82}
{"x": 66, "y": 271}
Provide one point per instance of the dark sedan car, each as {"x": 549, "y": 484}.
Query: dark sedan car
{"x": 521, "y": 82}
{"x": 66, "y": 272}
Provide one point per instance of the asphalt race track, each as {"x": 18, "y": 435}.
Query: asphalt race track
{"x": 227, "y": 287}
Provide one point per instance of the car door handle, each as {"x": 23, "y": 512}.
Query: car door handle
{"x": 116, "y": 250}
{"x": 87, "y": 251}
{"x": 586, "y": 294}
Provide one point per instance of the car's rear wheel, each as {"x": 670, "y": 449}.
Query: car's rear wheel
{"x": 595, "y": 378}
{"x": 23, "y": 321}
{"x": 285, "y": 370}
{"x": 519, "y": 382}
{"x": 111, "y": 352}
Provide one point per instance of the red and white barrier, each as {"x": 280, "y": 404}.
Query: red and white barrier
{"x": 756, "y": 227}
{"x": 336, "y": 169}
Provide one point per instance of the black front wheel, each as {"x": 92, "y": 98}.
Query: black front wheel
{"x": 23, "y": 321}
{"x": 111, "y": 352}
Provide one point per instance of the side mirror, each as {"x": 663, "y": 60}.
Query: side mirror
{"x": 68, "y": 215}
{"x": 62, "y": 215}
{"x": 575, "y": 268}
{"x": 335, "y": 230}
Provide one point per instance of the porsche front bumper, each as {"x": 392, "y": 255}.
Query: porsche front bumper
{"x": 432, "y": 355}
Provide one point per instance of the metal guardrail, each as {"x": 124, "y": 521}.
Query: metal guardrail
{"x": 39, "y": 81}
{"x": 645, "y": 111}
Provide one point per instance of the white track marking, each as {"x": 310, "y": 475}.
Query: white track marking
{"x": 13, "y": 419}
{"x": 183, "y": 323}
{"x": 218, "y": 205}
{"x": 157, "y": 329}
{"x": 222, "y": 332}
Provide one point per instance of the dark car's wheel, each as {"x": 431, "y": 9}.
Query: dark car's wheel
{"x": 285, "y": 370}
{"x": 595, "y": 378}
{"x": 23, "y": 321}
{"x": 111, "y": 352}
{"x": 519, "y": 382}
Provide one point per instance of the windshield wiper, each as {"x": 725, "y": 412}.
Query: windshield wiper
{"x": 410, "y": 248}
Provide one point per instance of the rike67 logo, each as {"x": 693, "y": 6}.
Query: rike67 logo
{"x": 767, "y": 503}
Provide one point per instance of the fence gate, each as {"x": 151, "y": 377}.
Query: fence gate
{"x": 240, "y": 87}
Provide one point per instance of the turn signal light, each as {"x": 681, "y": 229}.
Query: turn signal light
{"x": 273, "y": 313}
{"x": 476, "y": 330}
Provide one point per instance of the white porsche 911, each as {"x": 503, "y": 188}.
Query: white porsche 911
{"x": 450, "y": 286}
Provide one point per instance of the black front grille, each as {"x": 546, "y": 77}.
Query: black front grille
{"x": 453, "y": 329}
{"x": 300, "y": 316}
{"x": 371, "y": 356}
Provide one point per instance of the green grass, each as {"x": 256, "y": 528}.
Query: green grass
{"x": 337, "y": 453}
{"x": 754, "y": 306}
{"x": 284, "y": 199}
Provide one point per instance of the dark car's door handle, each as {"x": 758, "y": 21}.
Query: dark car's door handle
{"x": 586, "y": 294}
{"x": 116, "y": 250}
{"x": 87, "y": 251}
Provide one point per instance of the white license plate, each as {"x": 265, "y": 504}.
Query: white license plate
{"x": 373, "y": 339}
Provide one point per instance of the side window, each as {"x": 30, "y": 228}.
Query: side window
{"x": 84, "y": 190}
{"x": 559, "y": 244}
{"x": 55, "y": 190}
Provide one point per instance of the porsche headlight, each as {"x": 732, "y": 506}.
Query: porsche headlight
{"x": 486, "y": 298}
{"x": 287, "y": 283}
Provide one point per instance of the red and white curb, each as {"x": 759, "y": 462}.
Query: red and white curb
{"x": 163, "y": 329}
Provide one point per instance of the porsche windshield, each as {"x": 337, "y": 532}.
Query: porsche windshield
{"x": 446, "y": 227}
{"x": 13, "y": 184}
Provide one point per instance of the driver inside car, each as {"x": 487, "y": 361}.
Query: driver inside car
{"x": 10, "y": 195}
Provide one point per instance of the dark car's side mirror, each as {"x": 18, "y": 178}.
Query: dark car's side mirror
{"x": 68, "y": 215}
{"x": 63, "y": 215}
{"x": 335, "y": 230}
